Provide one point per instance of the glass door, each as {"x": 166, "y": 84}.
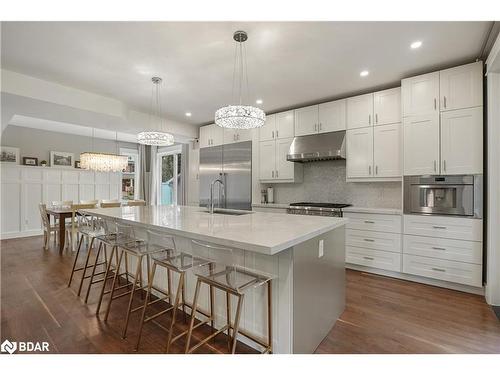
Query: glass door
{"x": 170, "y": 190}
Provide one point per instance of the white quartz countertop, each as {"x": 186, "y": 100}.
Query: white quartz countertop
{"x": 374, "y": 210}
{"x": 261, "y": 232}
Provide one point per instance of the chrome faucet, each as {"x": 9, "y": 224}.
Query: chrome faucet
{"x": 211, "y": 204}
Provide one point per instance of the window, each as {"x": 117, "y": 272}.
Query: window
{"x": 169, "y": 164}
{"x": 130, "y": 174}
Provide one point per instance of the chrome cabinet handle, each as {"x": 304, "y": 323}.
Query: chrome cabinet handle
{"x": 444, "y": 100}
{"x": 368, "y": 240}
{"x": 435, "y": 103}
{"x": 438, "y": 248}
{"x": 376, "y": 169}
{"x": 434, "y": 166}
{"x": 438, "y": 269}
{"x": 369, "y": 222}
{"x": 272, "y": 134}
{"x": 320, "y": 126}
{"x": 369, "y": 169}
{"x": 369, "y": 119}
{"x": 376, "y": 118}
{"x": 315, "y": 127}
{"x": 272, "y": 174}
{"x": 277, "y": 134}
{"x": 438, "y": 227}
{"x": 368, "y": 258}
{"x": 276, "y": 174}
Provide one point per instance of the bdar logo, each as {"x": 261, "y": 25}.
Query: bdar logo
{"x": 9, "y": 347}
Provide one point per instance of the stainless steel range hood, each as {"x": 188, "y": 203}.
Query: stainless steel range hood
{"x": 324, "y": 146}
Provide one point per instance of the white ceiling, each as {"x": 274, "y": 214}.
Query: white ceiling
{"x": 289, "y": 63}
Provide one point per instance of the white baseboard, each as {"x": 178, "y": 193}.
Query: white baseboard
{"x": 28, "y": 233}
{"x": 418, "y": 279}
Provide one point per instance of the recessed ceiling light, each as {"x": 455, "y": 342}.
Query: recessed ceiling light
{"x": 364, "y": 73}
{"x": 188, "y": 114}
{"x": 416, "y": 44}
{"x": 259, "y": 101}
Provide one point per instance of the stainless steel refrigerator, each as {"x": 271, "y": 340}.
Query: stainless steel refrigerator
{"x": 231, "y": 163}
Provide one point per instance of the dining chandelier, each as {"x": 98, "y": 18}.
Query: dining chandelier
{"x": 240, "y": 116}
{"x": 154, "y": 137}
{"x": 103, "y": 162}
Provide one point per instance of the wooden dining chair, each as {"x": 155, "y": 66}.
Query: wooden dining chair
{"x": 108, "y": 203}
{"x": 136, "y": 202}
{"x": 48, "y": 228}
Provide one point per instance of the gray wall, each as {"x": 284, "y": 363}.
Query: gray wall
{"x": 38, "y": 143}
{"x": 325, "y": 182}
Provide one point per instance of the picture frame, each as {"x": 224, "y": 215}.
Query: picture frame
{"x": 30, "y": 161}
{"x": 9, "y": 155}
{"x": 61, "y": 159}
{"x": 77, "y": 164}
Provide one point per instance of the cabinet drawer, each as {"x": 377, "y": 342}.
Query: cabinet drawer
{"x": 374, "y": 240}
{"x": 376, "y": 222}
{"x": 447, "y": 270}
{"x": 373, "y": 258}
{"x": 444, "y": 248}
{"x": 444, "y": 227}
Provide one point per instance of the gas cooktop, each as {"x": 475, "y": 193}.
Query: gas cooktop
{"x": 317, "y": 208}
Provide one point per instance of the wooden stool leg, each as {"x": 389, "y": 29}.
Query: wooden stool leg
{"x": 106, "y": 275}
{"x": 75, "y": 261}
{"x": 143, "y": 316}
{"x": 237, "y": 322}
{"x": 85, "y": 266}
{"x": 137, "y": 279}
{"x": 193, "y": 315}
{"x": 91, "y": 280}
{"x": 113, "y": 285}
{"x": 174, "y": 310}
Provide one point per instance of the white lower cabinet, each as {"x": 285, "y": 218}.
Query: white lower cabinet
{"x": 374, "y": 240}
{"x": 444, "y": 227}
{"x": 446, "y": 270}
{"x": 443, "y": 248}
{"x": 384, "y": 260}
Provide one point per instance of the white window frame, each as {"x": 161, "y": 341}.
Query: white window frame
{"x": 174, "y": 150}
{"x": 135, "y": 154}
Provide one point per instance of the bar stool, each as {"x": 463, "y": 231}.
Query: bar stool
{"x": 236, "y": 281}
{"x": 89, "y": 227}
{"x": 105, "y": 203}
{"x": 136, "y": 202}
{"x": 175, "y": 261}
{"x": 140, "y": 250}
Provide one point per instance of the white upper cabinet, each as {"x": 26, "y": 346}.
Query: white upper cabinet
{"x": 278, "y": 126}
{"x": 306, "y": 120}
{"x": 360, "y": 111}
{"x": 211, "y": 135}
{"x": 237, "y": 135}
{"x": 284, "y": 168}
{"x": 461, "y": 87}
{"x": 462, "y": 141}
{"x": 267, "y": 159}
{"x": 273, "y": 166}
{"x": 387, "y": 106}
{"x": 284, "y": 125}
{"x": 421, "y": 144}
{"x": 420, "y": 94}
{"x": 267, "y": 131}
{"x": 359, "y": 152}
{"x": 387, "y": 150}
{"x": 332, "y": 116}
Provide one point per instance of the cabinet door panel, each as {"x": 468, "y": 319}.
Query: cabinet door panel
{"x": 267, "y": 159}
{"x": 359, "y": 152}
{"x": 421, "y": 144}
{"x": 387, "y": 150}
{"x": 205, "y": 136}
{"x": 461, "y": 87}
{"x": 420, "y": 94}
{"x": 285, "y": 124}
{"x": 332, "y": 116}
{"x": 387, "y": 106}
{"x": 217, "y": 135}
{"x": 33, "y": 195}
{"x": 284, "y": 168}
{"x": 229, "y": 136}
{"x": 243, "y": 135}
{"x": 306, "y": 120}
{"x": 267, "y": 131}
{"x": 462, "y": 141}
{"x": 360, "y": 111}
{"x": 11, "y": 207}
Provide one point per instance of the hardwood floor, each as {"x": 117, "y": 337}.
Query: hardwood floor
{"x": 382, "y": 315}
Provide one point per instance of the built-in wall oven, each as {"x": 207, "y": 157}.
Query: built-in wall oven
{"x": 459, "y": 195}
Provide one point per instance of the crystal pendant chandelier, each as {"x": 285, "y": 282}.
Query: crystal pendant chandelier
{"x": 103, "y": 162}
{"x": 153, "y": 137}
{"x": 240, "y": 116}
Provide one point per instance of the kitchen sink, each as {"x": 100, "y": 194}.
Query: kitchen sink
{"x": 222, "y": 211}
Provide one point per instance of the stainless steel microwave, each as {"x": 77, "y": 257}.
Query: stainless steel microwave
{"x": 459, "y": 195}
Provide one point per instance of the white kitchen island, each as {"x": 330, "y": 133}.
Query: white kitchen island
{"x": 305, "y": 253}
